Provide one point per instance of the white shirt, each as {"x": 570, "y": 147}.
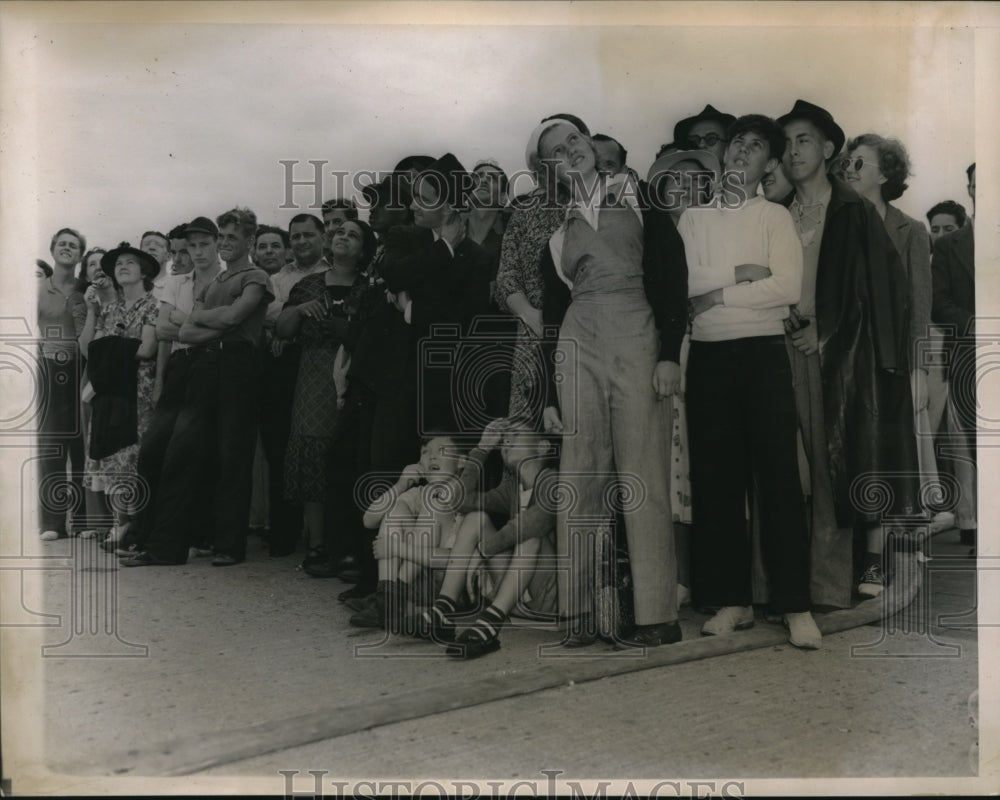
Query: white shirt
{"x": 716, "y": 241}
{"x": 623, "y": 186}
{"x": 283, "y": 281}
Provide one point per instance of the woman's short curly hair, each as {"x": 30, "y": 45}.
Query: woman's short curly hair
{"x": 893, "y": 162}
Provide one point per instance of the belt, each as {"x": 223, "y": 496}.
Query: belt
{"x": 228, "y": 347}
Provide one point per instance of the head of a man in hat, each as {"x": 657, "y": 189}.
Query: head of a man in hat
{"x": 807, "y": 149}
{"x": 812, "y": 139}
{"x": 202, "y": 242}
{"x": 706, "y": 130}
{"x": 389, "y": 202}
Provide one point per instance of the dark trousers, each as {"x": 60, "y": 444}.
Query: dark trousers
{"x": 962, "y": 388}
{"x": 60, "y": 434}
{"x": 376, "y": 437}
{"x": 153, "y": 450}
{"x": 278, "y": 376}
{"x": 217, "y": 424}
{"x": 741, "y": 428}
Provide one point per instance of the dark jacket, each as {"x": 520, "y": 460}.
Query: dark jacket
{"x": 863, "y": 325}
{"x": 112, "y": 368}
{"x": 665, "y": 279}
{"x": 447, "y": 291}
{"x": 953, "y": 270}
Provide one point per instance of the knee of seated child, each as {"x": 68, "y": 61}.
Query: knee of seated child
{"x": 475, "y": 522}
{"x": 529, "y": 547}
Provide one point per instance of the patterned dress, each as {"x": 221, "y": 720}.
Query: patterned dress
{"x": 102, "y": 474}
{"x": 524, "y": 241}
{"x": 314, "y": 409}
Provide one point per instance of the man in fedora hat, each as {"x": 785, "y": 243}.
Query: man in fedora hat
{"x": 848, "y": 339}
{"x": 706, "y": 130}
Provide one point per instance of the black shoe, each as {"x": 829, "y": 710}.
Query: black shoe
{"x": 280, "y": 549}
{"x": 321, "y": 569}
{"x": 359, "y": 603}
{"x": 371, "y": 616}
{"x": 226, "y": 560}
{"x": 146, "y": 559}
{"x": 470, "y": 645}
{"x": 356, "y": 592}
{"x": 426, "y": 625}
{"x": 314, "y": 556}
{"x": 651, "y": 636}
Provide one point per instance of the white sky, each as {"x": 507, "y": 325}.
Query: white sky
{"x": 146, "y": 126}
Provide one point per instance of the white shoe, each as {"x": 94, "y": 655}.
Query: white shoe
{"x": 728, "y": 619}
{"x": 802, "y": 631}
{"x": 683, "y": 595}
{"x": 50, "y": 536}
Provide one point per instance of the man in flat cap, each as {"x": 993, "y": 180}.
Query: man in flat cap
{"x": 848, "y": 340}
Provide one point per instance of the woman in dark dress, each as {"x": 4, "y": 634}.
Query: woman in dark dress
{"x": 319, "y": 312}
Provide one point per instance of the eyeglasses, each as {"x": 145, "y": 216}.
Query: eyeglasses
{"x": 709, "y": 139}
{"x": 859, "y": 162}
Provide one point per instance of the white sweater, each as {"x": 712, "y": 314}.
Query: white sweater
{"x": 716, "y": 241}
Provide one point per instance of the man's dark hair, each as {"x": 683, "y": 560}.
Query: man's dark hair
{"x": 765, "y": 127}
{"x": 350, "y": 210}
{"x": 969, "y": 170}
{"x": 178, "y": 232}
{"x": 957, "y": 210}
{"x": 263, "y": 229}
{"x": 622, "y": 152}
{"x": 299, "y": 218}
{"x": 154, "y": 233}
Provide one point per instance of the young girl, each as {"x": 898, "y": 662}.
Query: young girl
{"x": 616, "y": 285}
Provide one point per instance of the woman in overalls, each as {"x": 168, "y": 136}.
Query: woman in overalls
{"x": 616, "y": 285}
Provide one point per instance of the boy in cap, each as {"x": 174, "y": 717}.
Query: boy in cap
{"x": 849, "y": 349}
{"x": 220, "y": 404}
{"x": 744, "y": 272}
{"x": 176, "y": 303}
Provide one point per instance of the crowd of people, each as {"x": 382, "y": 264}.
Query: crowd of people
{"x": 471, "y": 405}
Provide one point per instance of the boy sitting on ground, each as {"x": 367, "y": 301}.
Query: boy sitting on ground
{"x": 519, "y": 550}
{"x": 417, "y": 525}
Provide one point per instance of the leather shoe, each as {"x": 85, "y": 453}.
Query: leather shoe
{"x": 146, "y": 559}
{"x": 321, "y": 569}
{"x": 357, "y": 591}
{"x": 225, "y": 560}
{"x": 651, "y": 636}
